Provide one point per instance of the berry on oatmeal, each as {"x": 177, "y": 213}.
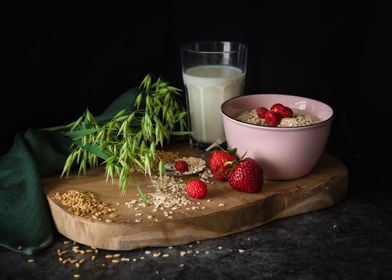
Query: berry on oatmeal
{"x": 181, "y": 165}
{"x": 272, "y": 118}
{"x": 282, "y": 110}
{"x": 261, "y": 111}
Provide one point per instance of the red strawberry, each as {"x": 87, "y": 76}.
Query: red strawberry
{"x": 181, "y": 165}
{"x": 272, "y": 118}
{"x": 283, "y": 111}
{"x": 261, "y": 111}
{"x": 196, "y": 188}
{"x": 247, "y": 176}
{"x": 216, "y": 163}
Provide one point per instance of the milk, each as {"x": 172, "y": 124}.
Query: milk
{"x": 208, "y": 86}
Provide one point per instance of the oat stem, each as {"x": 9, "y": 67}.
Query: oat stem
{"x": 127, "y": 142}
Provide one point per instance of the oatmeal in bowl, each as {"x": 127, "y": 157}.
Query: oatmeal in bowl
{"x": 298, "y": 119}
{"x": 286, "y": 134}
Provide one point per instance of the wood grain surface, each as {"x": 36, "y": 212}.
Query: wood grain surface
{"x": 224, "y": 211}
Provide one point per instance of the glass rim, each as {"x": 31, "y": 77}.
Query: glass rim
{"x": 190, "y": 46}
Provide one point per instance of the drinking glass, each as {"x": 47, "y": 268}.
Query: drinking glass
{"x": 212, "y": 71}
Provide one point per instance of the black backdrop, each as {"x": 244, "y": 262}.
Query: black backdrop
{"x": 65, "y": 58}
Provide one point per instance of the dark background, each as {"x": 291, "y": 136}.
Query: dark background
{"x": 62, "y": 59}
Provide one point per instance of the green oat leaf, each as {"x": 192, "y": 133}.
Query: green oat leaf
{"x": 75, "y": 134}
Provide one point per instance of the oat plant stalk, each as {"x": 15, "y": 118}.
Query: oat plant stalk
{"x": 127, "y": 142}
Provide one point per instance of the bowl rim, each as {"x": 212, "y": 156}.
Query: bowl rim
{"x": 278, "y": 128}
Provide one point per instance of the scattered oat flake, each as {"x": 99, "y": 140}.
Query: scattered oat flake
{"x": 221, "y": 204}
{"x": 76, "y": 276}
{"x": 165, "y": 255}
{"x": 169, "y": 192}
{"x": 181, "y": 264}
{"x": 220, "y": 247}
{"x": 157, "y": 254}
{"x": 241, "y": 250}
{"x": 30, "y": 260}
{"x": 182, "y": 253}
{"x": 147, "y": 252}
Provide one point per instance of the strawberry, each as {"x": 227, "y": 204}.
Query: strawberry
{"x": 181, "y": 165}
{"x": 272, "y": 118}
{"x": 216, "y": 163}
{"x": 283, "y": 111}
{"x": 261, "y": 111}
{"x": 196, "y": 188}
{"x": 287, "y": 113}
{"x": 247, "y": 176}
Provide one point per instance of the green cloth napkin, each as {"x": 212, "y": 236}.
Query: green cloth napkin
{"x": 26, "y": 224}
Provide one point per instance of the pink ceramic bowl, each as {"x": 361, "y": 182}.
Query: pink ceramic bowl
{"x": 284, "y": 153}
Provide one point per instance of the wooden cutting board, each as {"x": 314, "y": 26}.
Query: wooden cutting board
{"x": 224, "y": 211}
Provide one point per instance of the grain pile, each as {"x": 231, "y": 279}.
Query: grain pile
{"x": 85, "y": 204}
{"x": 168, "y": 192}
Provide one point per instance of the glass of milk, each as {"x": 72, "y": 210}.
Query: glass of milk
{"x": 212, "y": 71}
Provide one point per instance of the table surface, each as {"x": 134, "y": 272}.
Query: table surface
{"x": 351, "y": 240}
